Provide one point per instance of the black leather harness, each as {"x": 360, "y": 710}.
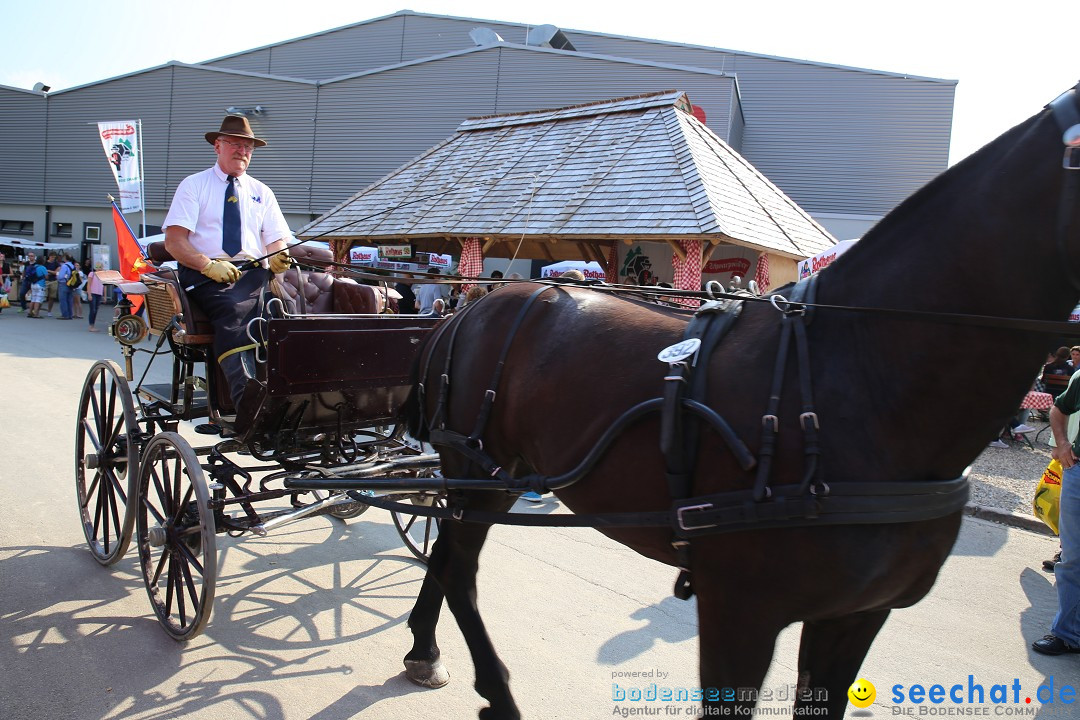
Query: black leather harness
{"x": 682, "y": 416}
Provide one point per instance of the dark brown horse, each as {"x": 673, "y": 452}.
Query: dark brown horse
{"x": 981, "y": 239}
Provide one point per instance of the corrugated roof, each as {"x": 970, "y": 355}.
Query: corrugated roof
{"x": 639, "y": 168}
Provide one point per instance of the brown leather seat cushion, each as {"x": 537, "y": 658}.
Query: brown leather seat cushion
{"x": 320, "y": 293}
{"x": 351, "y": 297}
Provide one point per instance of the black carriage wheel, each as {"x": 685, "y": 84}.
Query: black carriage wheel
{"x": 419, "y": 532}
{"x": 176, "y": 536}
{"x": 106, "y": 461}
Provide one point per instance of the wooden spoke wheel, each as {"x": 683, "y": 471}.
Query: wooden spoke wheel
{"x": 419, "y": 532}
{"x": 176, "y": 536}
{"x": 106, "y": 461}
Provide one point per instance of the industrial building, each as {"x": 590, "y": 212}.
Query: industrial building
{"x": 343, "y": 108}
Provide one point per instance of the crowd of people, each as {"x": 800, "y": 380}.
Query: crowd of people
{"x": 36, "y": 285}
{"x": 440, "y": 299}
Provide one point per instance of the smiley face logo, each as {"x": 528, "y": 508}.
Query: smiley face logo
{"x": 862, "y": 693}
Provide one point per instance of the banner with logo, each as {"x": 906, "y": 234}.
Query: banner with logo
{"x": 120, "y": 140}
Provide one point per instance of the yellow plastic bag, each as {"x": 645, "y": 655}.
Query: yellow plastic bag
{"x": 1048, "y": 496}
{"x": 4, "y": 303}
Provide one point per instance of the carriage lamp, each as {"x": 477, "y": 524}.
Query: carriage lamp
{"x": 129, "y": 330}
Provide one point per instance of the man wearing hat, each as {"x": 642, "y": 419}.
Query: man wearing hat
{"x": 220, "y": 220}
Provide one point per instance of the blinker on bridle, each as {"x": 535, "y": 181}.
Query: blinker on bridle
{"x": 1068, "y": 119}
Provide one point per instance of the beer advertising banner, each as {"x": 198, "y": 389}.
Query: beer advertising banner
{"x": 120, "y": 140}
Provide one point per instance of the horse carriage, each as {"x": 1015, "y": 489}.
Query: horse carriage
{"x": 773, "y": 450}
{"x": 331, "y": 379}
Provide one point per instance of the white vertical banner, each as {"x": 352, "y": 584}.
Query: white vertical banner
{"x": 120, "y": 140}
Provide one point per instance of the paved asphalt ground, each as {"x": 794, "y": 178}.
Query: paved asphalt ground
{"x": 310, "y": 621}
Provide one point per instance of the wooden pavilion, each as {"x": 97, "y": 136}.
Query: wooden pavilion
{"x": 585, "y": 182}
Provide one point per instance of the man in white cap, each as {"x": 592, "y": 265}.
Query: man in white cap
{"x": 222, "y": 218}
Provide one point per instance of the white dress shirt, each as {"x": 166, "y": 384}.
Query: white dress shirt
{"x": 198, "y": 204}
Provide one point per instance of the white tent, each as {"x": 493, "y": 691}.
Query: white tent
{"x": 35, "y": 245}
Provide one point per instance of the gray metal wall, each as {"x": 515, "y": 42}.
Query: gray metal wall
{"x": 365, "y": 46}
{"x": 372, "y": 124}
{"x": 835, "y": 139}
{"x": 22, "y": 173}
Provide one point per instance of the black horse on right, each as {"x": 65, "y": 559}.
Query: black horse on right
{"x": 997, "y": 235}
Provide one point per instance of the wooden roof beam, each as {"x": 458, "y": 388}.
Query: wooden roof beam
{"x": 675, "y": 246}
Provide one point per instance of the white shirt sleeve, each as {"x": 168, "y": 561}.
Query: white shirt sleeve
{"x": 184, "y": 211}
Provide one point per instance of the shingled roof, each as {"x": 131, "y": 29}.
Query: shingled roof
{"x": 543, "y": 183}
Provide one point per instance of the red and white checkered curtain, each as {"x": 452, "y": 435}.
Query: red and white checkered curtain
{"x": 688, "y": 272}
{"x": 472, "y": 261}
{"x": 611, "y": 269}
{"x": 761, "y": 275}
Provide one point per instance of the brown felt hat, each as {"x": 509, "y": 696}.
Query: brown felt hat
{"x": 235, "y": 126}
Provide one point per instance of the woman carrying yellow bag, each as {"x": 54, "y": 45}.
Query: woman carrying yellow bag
{"x": 1064, "y": 634}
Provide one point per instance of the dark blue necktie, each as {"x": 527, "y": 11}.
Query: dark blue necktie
{"x": 230, "y": 221}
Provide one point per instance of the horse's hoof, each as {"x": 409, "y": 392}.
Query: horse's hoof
{"x": 427, "y": 674}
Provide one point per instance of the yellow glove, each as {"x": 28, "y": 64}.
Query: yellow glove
{"x": 221, "y": 271}
{"x": 280, "y": 262}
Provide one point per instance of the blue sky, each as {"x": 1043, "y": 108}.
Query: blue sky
{"x": 1009, "y": 61}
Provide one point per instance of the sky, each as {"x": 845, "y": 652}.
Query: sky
{"x": 1008, "y": 61}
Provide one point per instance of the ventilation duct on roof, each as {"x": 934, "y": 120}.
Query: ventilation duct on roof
{"x": 485, "y": 36}
{"x": 549, "y": 36}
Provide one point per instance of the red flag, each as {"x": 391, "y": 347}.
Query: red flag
{"x": 132, "y": 263}
{"x": 761, "y": 276}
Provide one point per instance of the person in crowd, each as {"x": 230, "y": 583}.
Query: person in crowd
{"x": 221, "y": 218}
{"x": 5, "y": 278}
{"x": 38, "y": 275}
{"x": 495, "y": 275}
{"x": 472, "y": 295}
{"x": 428, "y": 292}
{"x": 63, "y": 276}
{"x": 573, "y": 275}
{"x": 1056, "y": 374}
{"x": 1074, "y": 357}
{"x": 52, "y": 266}
{"x": 79, "y": 292}
{"x": 27, "y": 280}
{"x": 407, "y": 303}
{"x": 1064, "y": 635}
{"x": 95, "y": 291}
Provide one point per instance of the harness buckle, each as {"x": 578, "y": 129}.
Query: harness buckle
{"x": 445, "y": 380}
{"x": 766, "y": 419}
{"x": 1072, "y": 158}
{"x": 809, "y": 416}
{"x": 680, "y": 514}
{"x": 489, "y": 396}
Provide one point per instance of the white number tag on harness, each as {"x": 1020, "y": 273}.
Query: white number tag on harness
{"x": 679, "y": 351}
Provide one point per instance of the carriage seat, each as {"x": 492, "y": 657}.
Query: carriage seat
{"x": 313, "y": 292}
{"x": 166, "y": 299}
